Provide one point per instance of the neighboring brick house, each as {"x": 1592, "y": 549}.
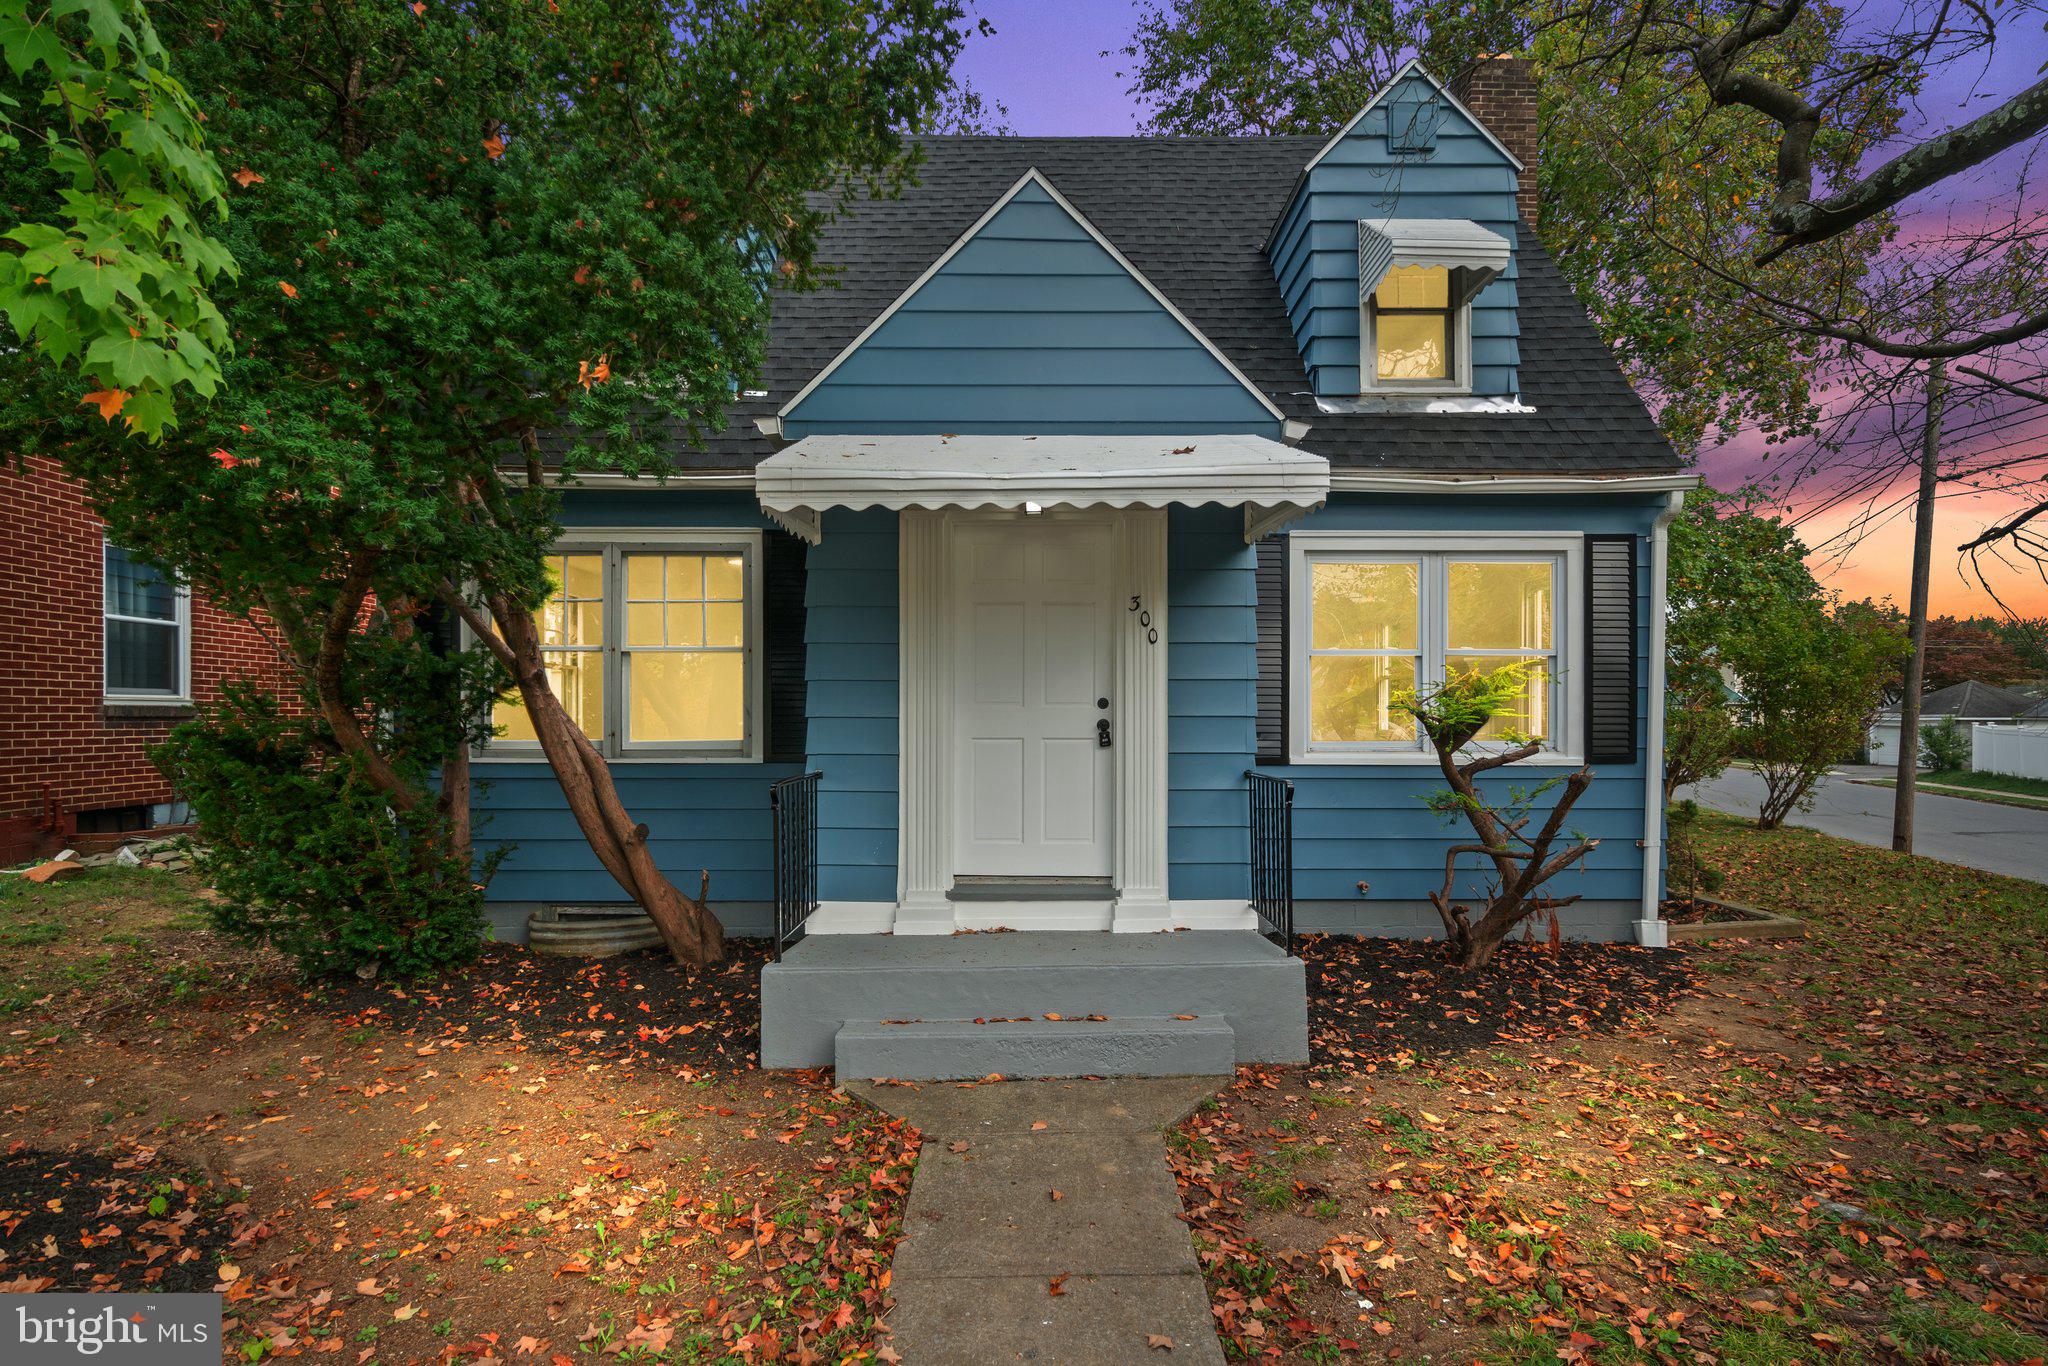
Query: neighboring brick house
{"x": 76, "y": 716}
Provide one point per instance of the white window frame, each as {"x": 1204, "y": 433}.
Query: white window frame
{"x": 1435, "y": 549}
{"x": 613, "y": 545}
{"x": 181, "y": 597}
{"x": 1457, "y": 333}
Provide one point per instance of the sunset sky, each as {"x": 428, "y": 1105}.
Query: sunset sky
{"x": 1045, "y": 64}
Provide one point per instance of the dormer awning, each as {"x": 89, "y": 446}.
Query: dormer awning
{"x": 1274, "y": 483}
{"x": 1474, "y": 255}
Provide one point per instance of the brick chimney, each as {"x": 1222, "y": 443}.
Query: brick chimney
{"x": 1501, "y": 93}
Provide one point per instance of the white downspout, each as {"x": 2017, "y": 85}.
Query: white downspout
{"x": 1651, "y": 931}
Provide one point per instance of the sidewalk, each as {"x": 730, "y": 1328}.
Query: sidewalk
{"x": 1044, "y": 1226}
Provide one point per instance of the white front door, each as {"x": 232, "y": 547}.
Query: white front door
{"x": 1032, "y": 603}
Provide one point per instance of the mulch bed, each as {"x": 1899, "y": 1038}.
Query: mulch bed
{"x": 1371, "y": 999}
{"x": 635, "y": 1008}
{"x": 81, "y": 1221}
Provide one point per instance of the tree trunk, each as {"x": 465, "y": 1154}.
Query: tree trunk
{"x": 692, "y": 933}
{"x": 1916, "y": 662}
{"x": 455, "y": 802}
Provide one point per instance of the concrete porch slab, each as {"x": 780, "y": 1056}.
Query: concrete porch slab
{"x": 959, "y": 1050}
{"x": 828, "y": 981}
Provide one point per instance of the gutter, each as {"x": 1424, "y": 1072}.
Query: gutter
{"x": 1651, "y": 930}
{"x": 1341, "y": 481}
{"x": 1348, "y": 481}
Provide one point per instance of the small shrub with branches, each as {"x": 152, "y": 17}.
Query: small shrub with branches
{"x": 1946, "y": 747}
{"x": 1452, "y": 715}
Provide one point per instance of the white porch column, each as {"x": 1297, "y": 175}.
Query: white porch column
{"x": 1140, "y": 711}
{"x": 925, "y": 690}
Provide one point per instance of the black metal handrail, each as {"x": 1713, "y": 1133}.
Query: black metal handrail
{"x": 793, "y": 807}
{"x": 1272, "y": 828}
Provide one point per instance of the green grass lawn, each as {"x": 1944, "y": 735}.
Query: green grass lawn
{"x": 1833, "y": 1149}
{"x": 2005, "y": 788}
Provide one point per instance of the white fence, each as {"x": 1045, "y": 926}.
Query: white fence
{"x": 2018, "y": 750}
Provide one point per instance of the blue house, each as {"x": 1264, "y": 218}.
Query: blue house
{"x": 1077, "y": 542}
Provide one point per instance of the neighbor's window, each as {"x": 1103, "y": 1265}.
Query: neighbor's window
{"x": 650, "y": 647}
{"x": 148, "y": 625}
{"x": 1414, "y": 327}
{"x": 1380, "y": 625}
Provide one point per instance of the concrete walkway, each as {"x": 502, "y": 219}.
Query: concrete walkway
{"x": 2011, "y": 840}
{"x": 985, "y": 1240}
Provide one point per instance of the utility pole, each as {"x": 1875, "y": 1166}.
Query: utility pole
{"x": 1923, "y": 559}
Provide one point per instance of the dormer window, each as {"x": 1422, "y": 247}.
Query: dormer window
{"x": 1417, "y": 279}
{"x": 1414, "y": 327}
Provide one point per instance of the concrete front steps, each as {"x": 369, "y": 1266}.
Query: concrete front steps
{"x": 959, "y": 1050}
{"x": 905, "y": 1007}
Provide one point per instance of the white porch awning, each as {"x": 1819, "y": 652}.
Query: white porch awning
{"x": 1272, "y": 482}
{"x": 1473, "y": 254}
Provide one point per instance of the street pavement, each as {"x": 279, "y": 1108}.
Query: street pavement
{"x": 2011, "y": 840}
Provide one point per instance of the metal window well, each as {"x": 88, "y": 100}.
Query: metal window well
{"x": 590, "y": 931}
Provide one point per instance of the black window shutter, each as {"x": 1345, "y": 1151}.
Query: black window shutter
{"x": 1610, "y": 687}
{"x": 783, "y": 560}
{"x": 1272, "y": 650}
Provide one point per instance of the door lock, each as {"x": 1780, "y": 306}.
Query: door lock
{"x": 1102, "y": 733}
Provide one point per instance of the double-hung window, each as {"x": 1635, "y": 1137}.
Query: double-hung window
{"x": 1416, "y": 332}
{"x": 1418, "y": 278}
{"x": 652, "y": 642}
{"x": 148, "y": 631}
{"x": 1375, "y": 618}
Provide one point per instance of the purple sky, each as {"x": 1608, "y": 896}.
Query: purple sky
{"x": 1044, "y": 62}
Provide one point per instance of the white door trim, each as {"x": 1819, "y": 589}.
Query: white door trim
{"x": 925, "y": 800}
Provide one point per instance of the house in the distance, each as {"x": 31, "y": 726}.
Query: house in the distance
{"x": 1968, "y": 704}
{"x": 1098, "y": 513}
{"x": 99, "y": 657}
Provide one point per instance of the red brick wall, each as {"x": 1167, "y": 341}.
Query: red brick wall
{"x": 1501, "y": 93}
{"x": 60, "y": 741}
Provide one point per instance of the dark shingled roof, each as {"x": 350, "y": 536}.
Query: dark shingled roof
{"x": 1193, "y": 214}
{"x": 1984, "y": 701}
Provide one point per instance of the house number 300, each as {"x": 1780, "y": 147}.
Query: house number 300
{"x": 1145, "y": 620}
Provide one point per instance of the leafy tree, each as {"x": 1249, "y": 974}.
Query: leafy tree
{"x": 1963, "y": 650}
{"x": 965, "y": 110}
{"x": 1730, "y": 562}
{"x": 1451, "y": 716}
{"x": 1811, "y": 681}
{"x": 108, "y": 274}
{"x": 485, "y": 248}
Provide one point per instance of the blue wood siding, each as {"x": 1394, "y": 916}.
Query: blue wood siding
{"x": 1031, "y": 328}
{"x": 1353, "y": 823}
{"x": 699, "y": 816}
{"x": 851, "y": 669}
{"x": 1210, "y": 674}
{"x": 1315, "y": 251}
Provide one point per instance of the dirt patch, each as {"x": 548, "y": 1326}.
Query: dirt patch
{"x": 88, "y": 1221}
{"x": 638, "y": 1009}
{"x": 1373, "y": 998}
{"x": 532, "y": 1158}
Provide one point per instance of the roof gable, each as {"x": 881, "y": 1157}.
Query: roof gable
{"x": 1426, "y": 101}
{"x": 1031, "y": 321}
